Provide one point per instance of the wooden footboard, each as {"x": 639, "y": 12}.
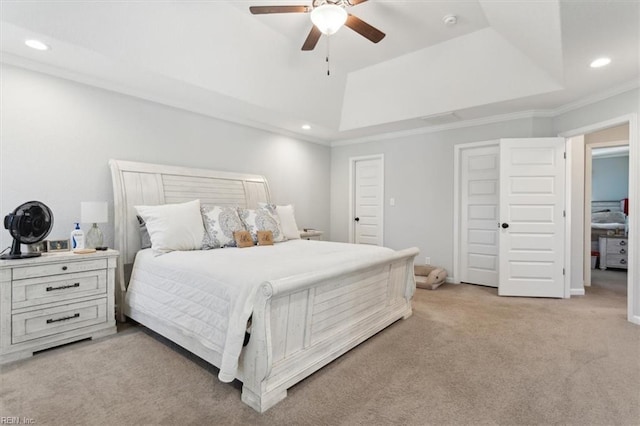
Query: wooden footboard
{"x": 304, "y": 322}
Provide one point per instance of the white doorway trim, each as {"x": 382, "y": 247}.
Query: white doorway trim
{"x": 457, "y": 158}
{"x": 352, "y": 172}
{"x": 588, "y": 196}
{"x": 633, "y": 271}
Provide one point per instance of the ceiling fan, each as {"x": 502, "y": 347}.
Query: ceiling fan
{"x": 328, "y": 16}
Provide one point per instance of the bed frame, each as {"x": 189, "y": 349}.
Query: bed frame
{"x": 300, "y": 323}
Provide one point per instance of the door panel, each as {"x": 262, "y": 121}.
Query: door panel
{"x": 479, "y": 214}
{"x": 532, "y": 206}
{"x": 368, "y": 202}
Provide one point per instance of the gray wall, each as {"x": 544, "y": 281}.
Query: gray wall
{"x": 57, "y": 137}
{"x": 419, "y": 175}
{"x": 610, "y": 178}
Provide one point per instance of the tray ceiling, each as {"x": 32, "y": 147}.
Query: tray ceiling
{"x": 215, "y": 58}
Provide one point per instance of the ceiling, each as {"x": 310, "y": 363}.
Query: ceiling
{"x": 215, "y": 58}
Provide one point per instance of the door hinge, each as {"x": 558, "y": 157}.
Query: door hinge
{"x": 562, "y": 271}
{"x": 565, "y": 155}
{"x": 564, "y": 213}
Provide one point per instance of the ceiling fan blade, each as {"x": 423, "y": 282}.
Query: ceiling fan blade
{"x": 364, "y": 29}
{"x": 356, "y": 2}
{"x": 312, "y": 39}
{"x": 261, "y": 10}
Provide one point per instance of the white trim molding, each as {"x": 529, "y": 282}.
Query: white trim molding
{"x": 633, "y": 271}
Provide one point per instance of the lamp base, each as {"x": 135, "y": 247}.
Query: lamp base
{"x": 94, "y": 237}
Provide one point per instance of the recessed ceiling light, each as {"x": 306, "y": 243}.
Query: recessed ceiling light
{"x": 600, "y": 62}
{"x": 36, "y": 44}
{"x": 306, "y": 127}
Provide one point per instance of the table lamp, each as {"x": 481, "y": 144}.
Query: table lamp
{"x": 93, "y": 212}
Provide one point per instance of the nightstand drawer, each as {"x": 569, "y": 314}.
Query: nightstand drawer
{"x": 621, "y": 250}
{"x": 45, "y": 322}
{"x": 58, "y": 288}
{"x": 59, "y": 268}
{"x": 617, "y": 261}
{"x": 614, "y": 245}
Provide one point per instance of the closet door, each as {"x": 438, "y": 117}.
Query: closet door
{"x": 479, "y": 189}
{"x": 532, "y": 217}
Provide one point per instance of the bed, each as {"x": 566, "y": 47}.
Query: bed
{"x": 305, "y": 311}
{"x": 608, "y": 218}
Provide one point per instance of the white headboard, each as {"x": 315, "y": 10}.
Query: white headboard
{"x": 136, "y": 184}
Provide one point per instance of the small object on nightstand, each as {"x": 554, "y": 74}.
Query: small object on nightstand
{"x": 84, "y": 251}
{"x": 58, "y": 245}
{"x": 103, "y": 248}
{"x": 94, "y": 212}
{"x": 311, "y": 234}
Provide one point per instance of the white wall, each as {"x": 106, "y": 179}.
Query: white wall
{"x": 419, "y": 175}
{"x": 57, "y": 136}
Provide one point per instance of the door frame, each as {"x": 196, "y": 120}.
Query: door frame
{"x": 457, "y": 159}
{"x": 588, "y": 196}
{"x": 633, "y": 283}
{"x": 352, "y": 201}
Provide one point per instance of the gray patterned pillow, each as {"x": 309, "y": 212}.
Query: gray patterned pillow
{"x": 220, "y": 223}
{"x": 262, "y": 219}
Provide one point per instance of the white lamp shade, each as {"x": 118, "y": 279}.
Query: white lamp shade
{"x": 93, "y": 211}
{"x": 329, "y": 18}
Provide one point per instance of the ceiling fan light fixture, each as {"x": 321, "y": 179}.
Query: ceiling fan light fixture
{"x": 329, "y": 18}
{"x": 600, "y": 62}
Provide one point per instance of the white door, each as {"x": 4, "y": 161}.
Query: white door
{"x": 367, "y": 200}
{"x": 532, "y": 217}
{"x": 479, "y": 190}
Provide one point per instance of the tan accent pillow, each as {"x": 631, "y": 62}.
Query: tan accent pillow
{"x": 265, "y": 238}
{"x": 243, "y": 238}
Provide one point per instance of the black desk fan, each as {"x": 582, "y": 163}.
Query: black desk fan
{"x": 29, "y": 223}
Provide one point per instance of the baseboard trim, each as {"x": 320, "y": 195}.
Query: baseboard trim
{"x": 577, "y": 291}
{"x": 635, "y": 319}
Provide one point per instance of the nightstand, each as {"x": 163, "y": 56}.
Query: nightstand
{"x": 311, "y": 234}
{"x": 55, "y": 299}
{"x": 613, "y": 252}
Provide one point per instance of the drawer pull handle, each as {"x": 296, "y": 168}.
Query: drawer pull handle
{"x": 49, "y": 321}
{"x": 623, "y": 243}
{"x": 62, "y": 287}
{"x": 622, "y": 261}
{"x": 64, "y": 268}
{"x": 622, "y": 251}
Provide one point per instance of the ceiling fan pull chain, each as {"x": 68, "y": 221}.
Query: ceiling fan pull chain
{"x": 327, "y": 59}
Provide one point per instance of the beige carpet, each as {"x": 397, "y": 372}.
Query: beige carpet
{"x": 466, "y": 356}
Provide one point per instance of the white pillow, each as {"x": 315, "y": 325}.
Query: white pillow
{"x": 288, "y": 222}
{"x": 173, "y": 226}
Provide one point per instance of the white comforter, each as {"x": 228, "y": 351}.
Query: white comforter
{"x": 209, "y": 294}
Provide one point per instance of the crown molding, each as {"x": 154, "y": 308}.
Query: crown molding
{"x": 549, "y": 113}
{"x": 108, "y": 85}
{"x": 443, "y": 127}
{"x": 18, "y": 61}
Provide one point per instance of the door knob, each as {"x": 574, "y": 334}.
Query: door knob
{"x": 357, "y": 219}
{"x": 505, "y": 225}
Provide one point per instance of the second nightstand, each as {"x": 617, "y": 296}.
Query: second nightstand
{"x": 311, "y": 234}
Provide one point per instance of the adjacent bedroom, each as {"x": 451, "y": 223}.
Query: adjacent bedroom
{"x": 319, "y": 212}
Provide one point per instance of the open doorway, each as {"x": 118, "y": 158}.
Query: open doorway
{"x": 606, "y": 209}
